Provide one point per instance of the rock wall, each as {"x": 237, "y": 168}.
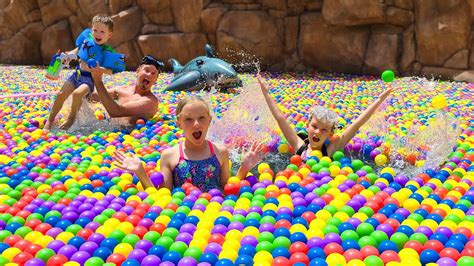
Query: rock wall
{"x": 427, "y": 37}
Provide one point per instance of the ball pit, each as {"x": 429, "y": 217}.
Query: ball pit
{"x": 62, "y": 202}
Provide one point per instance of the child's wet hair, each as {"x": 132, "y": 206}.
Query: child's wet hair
{"x": 104, "y": 19}
{"x": 325, "y": 115}
{"x": 190, "y": 99}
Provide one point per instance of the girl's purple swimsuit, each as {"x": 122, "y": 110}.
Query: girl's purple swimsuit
{"x": 204, "y": 174}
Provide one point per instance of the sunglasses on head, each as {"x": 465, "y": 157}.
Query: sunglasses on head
{"x": 150, "y": 60}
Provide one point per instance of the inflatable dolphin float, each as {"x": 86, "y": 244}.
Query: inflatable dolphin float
{"x": 201, "y": 72}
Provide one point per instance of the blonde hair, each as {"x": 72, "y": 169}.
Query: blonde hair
{"x": 104, "y": 19}
{"x": 325, "y": 115}
{"x": 190, "y": 99}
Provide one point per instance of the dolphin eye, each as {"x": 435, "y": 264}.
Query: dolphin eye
{"x": 199, "y": 62}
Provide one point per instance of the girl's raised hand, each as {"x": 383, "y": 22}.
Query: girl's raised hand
{"x": 251, "y": 157}
{"x": 263, "y": 87}
{"x": 130, "y": 163}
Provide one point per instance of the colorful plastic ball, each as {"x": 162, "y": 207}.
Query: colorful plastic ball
{"x": 388, "y": 76}
{"x": 439, "y": 101}
{"x": 429, "y": 256}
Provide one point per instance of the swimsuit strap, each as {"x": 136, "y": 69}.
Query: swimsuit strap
{"x": 211, "y": 147}
{"x": 181, "y": 153}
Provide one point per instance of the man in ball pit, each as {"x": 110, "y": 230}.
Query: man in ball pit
{"x": 131, "y": 102}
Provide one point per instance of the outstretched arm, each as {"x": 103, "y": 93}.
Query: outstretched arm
{"x": 132, "y": 164}
{"x": 285, "y": 127}
{"x": 350, "y": 132}
{"x": 138, "y": 107}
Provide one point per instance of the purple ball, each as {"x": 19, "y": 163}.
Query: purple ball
{"x": 315, "y": 242}
{"x": 187, "y": 228}
{"x": 187, "y": 261}
{"x": 333, "y": 238}
{"x": 213, "y": 248}
{"x": 89, "y": 247}
{"x": 80, "y": 257}
{"x": 387, "y": 229}
{"x": 55, "y": 245}
{"x": 249, "y": 240}
{"x": 156, "y": 178}
{"x": 144, "y": 245}
{"x": 96, "y": 238}
{"x": 150, "y": 260}
{"x": 184, "y": 237}
{"x": 35, "y": 262}
{"x": 446, "y": 262}
{"x": 236, "y": 225}
{"x": 67, "y": 250}
{"x": 137, "y": 254}
{"x": 219, "y": 229}
{"x": 266, "y": 227}
{"x": 54, "y": 232}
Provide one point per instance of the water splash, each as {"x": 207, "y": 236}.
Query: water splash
{"x": 247, "y": 121}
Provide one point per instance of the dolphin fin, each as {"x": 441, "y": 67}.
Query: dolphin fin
{"x": 186, "y": 82}
{"x": 177, "y": 67}
{"x": 210, "y": 52}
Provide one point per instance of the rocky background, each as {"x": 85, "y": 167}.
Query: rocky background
{"x": 421, "y": 37}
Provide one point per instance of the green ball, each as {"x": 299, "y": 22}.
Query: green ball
{"x": 281, "y": 241}
{"x": 183, "y": 209}
{"x": 367, "y": 241}
{"x": 266, "y": 236}
{"x": 388, "y": 76}
{"x": 348, "y": 209}
{"x": 44, "y": 254}
{"x": 23, "y": 231}
{"x": 264, "y": 246}
{"x": 419, "y": 237}
{"x": 3, "y": 260}
{"x": 74, "y": 228}
{"x": 108, "y": 212}
{"x": 338, "y": 155}
{"x": 399, "y": 239}
{"x": 334, "y": 221}
{"x": 357, "y": 164}
{"x": 179, "y": 247}
{"x": 194, "y": 252}
{"x": 466, "y": 261}
{"x": 364, "y": 229}
{"x": 165, "y": 242}
{"x": 329, "y": 228}
{"x": 131, "y": 239}
{"x": 268, "y": 219}
{"x": 373, "y": 261}
{"x": 349, "y": 234}
{"x": 238, "y": 218}
{"x": 254, "y": 215}
{"x": 171, "y": 233}
{"x": 94, "y": 261}
{"x": 367, "y": 211}
{"x": 331, "y": 209}
{"x": 101, "y": 219}
{"x": 4, "y": 234}
{"x": 152, "y": 236}
{"x": 379, "y": 236}
{"x": 117, "y": 235}
{"x": 168, "y": 212}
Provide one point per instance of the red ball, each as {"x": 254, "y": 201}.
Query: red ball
{"x": 121, "y": 216}
{"x": 379, "y": 217}
{"x": 327, "y": 197}
{"x": 434, "y": 245}
{"x": 116, "y": 258}
{"x": 369, "y": 251}
{"x": 22, "y": 244}
{"x": 57, "y": 260}
{"x": 280, "y": 261}
{"x": 463, "y": 230}
{"x": 417, "y": 246}
{"x": 450, "y": 253}
{"x": 217, "y": 238}
{"x": 158, "y": 227}
{"x": 308, "y": 216}
{"x": 468, "y": 252}
{"x": 33, "y": 223}
{"x": 43, "y": 228}
{"x": 283, "y": 223}
{"x": 12, "y": 240}
{"x": 389, "y": 255}
{"x": 85, "y": 233}
{"x": 33, "y": 249}
{"x": 231, "y": 189}
{"x": 139, "y": 212}
{"x": 140, "y": 231}
{"x": 352, "y": 254}
{"x": 333, "y": 248}
{"x": 298, "y": 247}
{"x": 393, "y": 223}
{"x": 133, "y": 219}
{"x": 296, "y": 160}
{"x": 22, "y": 257}
{"x": 299, "y": 257}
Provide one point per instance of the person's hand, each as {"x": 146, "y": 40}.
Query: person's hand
{"x": 263, "y": 87}
{"x": 130, "y": 163}
{"x": 387, "y": 92}
{"x": 251, "y": 157}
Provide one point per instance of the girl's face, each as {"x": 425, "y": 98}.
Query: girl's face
{"x": 318, "y": 132}
{"x": 195, "y": 120}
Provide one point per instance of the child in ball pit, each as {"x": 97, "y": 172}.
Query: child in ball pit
{"x": 321, "y": 125}
{"x": 195, "y": 160}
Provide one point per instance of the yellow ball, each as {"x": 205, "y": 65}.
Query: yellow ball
{"x": 323, "y": 215}
{"x": 231, "y": 244}
{"x": 72, "y": 263}
{"x": 233, "y": 180}
{"x": 355, "y": 262}
{"x": 9, "y": 253}
{"x": 262, "y": 167}
{"x": 234, "y": 234}
{"x": 263, "y": 256}
{"x": 380, "y": 159}
{"x": 283, "y": 148}
{"x": 44, "y": 241}
{"x": 265, "y": 176}
{"x": 336, "y": 259}
{"x": 198, "y": 243}
{"x": 33, "y": 236}
{"x": 317, "y": 153}
{"x": 228, "y": 254}
{"x": 125, "y": 227}
{"x": 123, "y": 248}
{"x": 411, "y": 205}
{"x": 439, "y": 101}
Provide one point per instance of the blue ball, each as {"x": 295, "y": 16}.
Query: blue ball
{"x": 244, "y": 260}
{"x": 12, "y": 227}
{"x": 456, "y": 244}
{"x": 76, "y": 241}
{"x": 222, "y": 220}
{"x": 350, "y": 244}
{"x": 109, "y": 243}
{"x": 247, "y": 250}
{"x": 3, "y": 246}
{"x": 429, "y": 256}
{"x": 440, "y": 237}
{"x": 172, "y": 256}
{"x": 131, "y": 262}
{"x": 298, "y": 237}
{"x": 281, "y": 252}
{"x": 102, "y": 253}
{"x": 387, "y": 245}
{"x": 459, "y": 237}
{"x": 224, "y": 262}
{"x": 210, "y": 258}
{"x": 157, "y": 250}
{"x": 405, "y": 229}
{"x": 282, "y": 232}
{"x": 315, "y": 253}
{"x": 318, "y": 262}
